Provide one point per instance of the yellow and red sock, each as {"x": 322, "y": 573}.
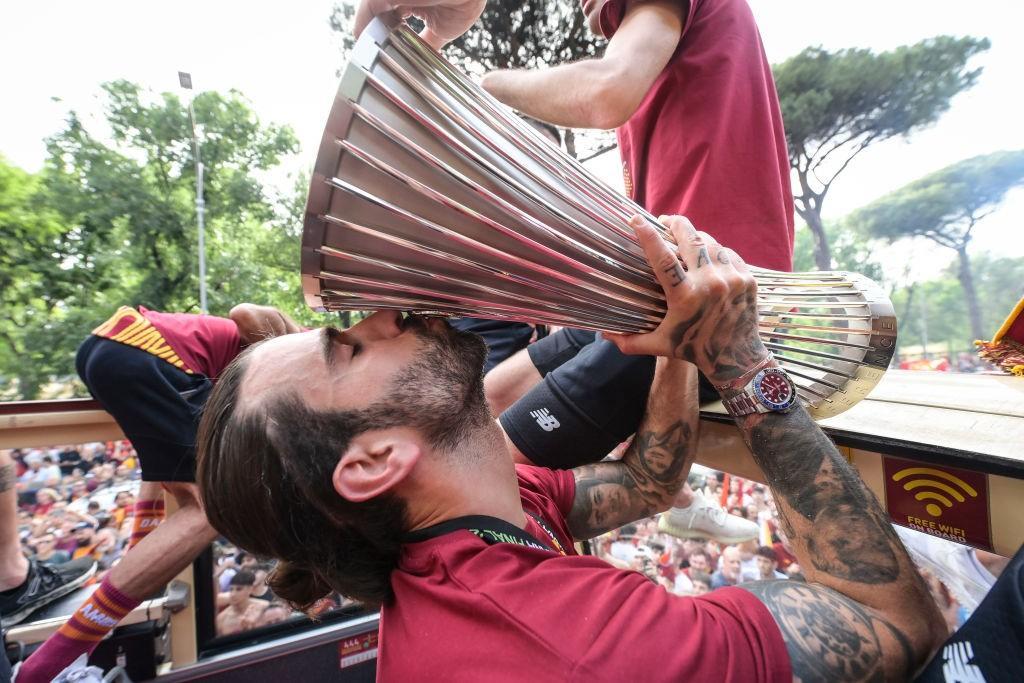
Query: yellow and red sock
{"x": 146, "y": 517}
{"x": 81, "y": 633}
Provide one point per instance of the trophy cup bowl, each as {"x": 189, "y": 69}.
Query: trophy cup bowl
{"x": 430, "y": 196}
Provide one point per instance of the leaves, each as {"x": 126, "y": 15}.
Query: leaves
{"x": 945, "y": 205}
{"x": 112, "y": 221}
{"x": 836, "y": 104}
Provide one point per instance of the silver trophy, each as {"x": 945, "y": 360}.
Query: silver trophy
{"x": 430, "y": 196}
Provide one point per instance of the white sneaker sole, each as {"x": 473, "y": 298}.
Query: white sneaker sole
{"x": 665, "y": 526}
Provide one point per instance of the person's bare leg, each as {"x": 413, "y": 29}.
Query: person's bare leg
{"x": 173, "y": 546}
{"x": 509, "y": 381}
{"x": 13, "y": 565}
{"x": 148, "y": 513}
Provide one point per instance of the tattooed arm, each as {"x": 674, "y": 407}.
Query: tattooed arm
{"x": 865, "y": 613}
{"x": 654, "y": 467}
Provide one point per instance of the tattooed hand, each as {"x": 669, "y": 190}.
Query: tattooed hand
{"x": 712, "y": 303}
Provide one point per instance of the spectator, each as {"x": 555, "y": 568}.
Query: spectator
{"x": 729, "y": 572}
{"x": 701, "y": 583}
{"x": 241, "y": 560}
{"x": 69, "y": 458}
{"x": 86, "y": 541}
{"x": 123, "y": 503}
{"x": 274, "y": 613}
{"x": 78, "y": 490}
{"x": 261, "y": 590}
{"x": 46, "y": 551}
{"x": 624, "y": 549}
{"x": 45, "y": 500}
{"x": 243, "y": 611}
{"x": 767, "y": 564}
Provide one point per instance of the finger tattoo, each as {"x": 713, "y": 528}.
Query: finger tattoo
{"x": 702, "y": 257}
{"x": 675, "y": 274}
{"x": 723, "y": 257}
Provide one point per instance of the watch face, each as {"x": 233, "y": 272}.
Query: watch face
{"x": 774, "y": 389}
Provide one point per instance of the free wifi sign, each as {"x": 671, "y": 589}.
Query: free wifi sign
{"x": 947, "y": 502}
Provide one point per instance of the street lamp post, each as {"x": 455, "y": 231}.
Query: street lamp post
{"x": 185, "y": 79}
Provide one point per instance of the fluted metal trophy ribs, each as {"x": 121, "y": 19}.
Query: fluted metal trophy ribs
{"x": 430, "y": 196}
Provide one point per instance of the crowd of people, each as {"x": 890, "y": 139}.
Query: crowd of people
{"x": 695, "y": 566}
{"x": 244, "y": 599}
{"x": 76, "y": 501}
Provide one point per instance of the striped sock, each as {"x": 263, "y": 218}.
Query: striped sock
{"x": 147, "y": 517}
{"x": 82, "y": 633}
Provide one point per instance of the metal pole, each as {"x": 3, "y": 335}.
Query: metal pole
{"x": 186, "y": 82}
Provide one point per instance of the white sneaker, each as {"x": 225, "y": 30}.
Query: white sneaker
{"x": 704, "y": 519}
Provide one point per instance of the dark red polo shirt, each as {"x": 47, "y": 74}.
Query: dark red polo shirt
{"x": 192, "y": 343}
{"x": 707, "y": 141}
{"x": 466, "y": 610}
{"x": 206, "y": 343}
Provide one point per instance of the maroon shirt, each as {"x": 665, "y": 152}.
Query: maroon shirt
{"x": 707, "y": 141}
{"x": 466, "y": 610}
{"x": 206, "y": 343}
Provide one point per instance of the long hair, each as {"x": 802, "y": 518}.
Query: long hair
{"x": 265, "y": 474}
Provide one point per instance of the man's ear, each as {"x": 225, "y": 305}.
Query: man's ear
{"x": 375, "y": 462}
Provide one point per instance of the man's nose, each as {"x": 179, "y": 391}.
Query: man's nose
{"x": 378, "y": 326}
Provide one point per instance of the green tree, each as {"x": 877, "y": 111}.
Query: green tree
{"x": 945, "y": 206}
{"x": 836, "y": 104}
{"x": 119, "y": 225}
{"x": 937, "y": 310}
{"x": 516, "y": 34}
{"x": 850, "y": 251}
{"x": 29, "y": 238}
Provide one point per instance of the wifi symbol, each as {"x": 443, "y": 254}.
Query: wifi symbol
{"x": 945, "y": 488}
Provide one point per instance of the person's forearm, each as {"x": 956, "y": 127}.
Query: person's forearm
{"x": 654, "y": 468}
{"x": 256, "y": 323}
{"x": 839, "y": 533}
{"x": 578, "y": 95}
{"x": 665, "y": 444}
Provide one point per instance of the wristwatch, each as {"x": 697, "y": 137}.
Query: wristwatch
{"x": 770, "y": 391}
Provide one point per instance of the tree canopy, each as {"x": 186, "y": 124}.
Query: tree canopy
{"x": 945, "y": 206}
{"x": 836, "y": 104}
{"x": 110, "y": 220}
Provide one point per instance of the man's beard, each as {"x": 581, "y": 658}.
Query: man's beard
{"x": 442, "y": 390}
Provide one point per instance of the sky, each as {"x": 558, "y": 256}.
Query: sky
{"x": 284, "y": 58}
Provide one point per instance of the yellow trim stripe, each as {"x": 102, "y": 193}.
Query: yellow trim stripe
{"x": 1005, "y": 327}
{"x": 140, "y": 333}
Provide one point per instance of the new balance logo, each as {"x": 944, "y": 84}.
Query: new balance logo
{"x": 956, "y": 666}
{"x": 545, "y": 419}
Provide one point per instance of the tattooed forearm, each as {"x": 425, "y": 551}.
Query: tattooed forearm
{"x": 847, "y": 537}
{"x": 654, "y": 467}
{"x": 8, "y": 477}
{"x": 610, "y": 494}
{"x": 854, "y": 625}
{"x": 606, "y": 498}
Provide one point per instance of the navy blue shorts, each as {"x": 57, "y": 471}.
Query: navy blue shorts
{"x": 591, "y": 398}
{"x": 502, "y": 338}
{"x": 157, "y": 405}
